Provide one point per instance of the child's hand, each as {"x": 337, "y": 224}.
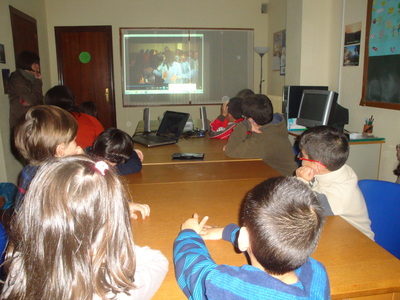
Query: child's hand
{"x": 306, "y": 173}
{"x": 140, "y": 154}
{"x": 211, "y": 232}
{"x": 193, "y": 223}
{"x": 224, "y": 108}
{"x": 254, "y": 127}
{"x": 144, "y": 209}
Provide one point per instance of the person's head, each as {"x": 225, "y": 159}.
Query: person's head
{"x": 113, "y": 145}
{"x": 61, "y": 96}
{"x": 89, "y": 107}
{"x": 244, "y": 93}
{"x": 47, "y": 131}
{"x": 72, "y": 236}
{"x": 28, "y": 61}
{"x": 282, "y": 220}
{"x": 169, "y": 58}
{"x": 259, "y": 108}
{"x": 325, "y": 146}
{"x": 235, "y": 107}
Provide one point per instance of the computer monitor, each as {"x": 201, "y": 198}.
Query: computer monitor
{"x": 291, "y": 96}
{"x": 320, "y": 108}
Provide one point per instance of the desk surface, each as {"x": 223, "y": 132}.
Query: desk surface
{"x": 363, "y": 140}
{"x": 209, "y": 171}
{"x": 356, "y": 265}
{"x": 211, "y": 147}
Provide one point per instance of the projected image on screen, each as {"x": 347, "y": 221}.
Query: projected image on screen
{"x": 185, "y": 66}
{"x": 163, "y": 63}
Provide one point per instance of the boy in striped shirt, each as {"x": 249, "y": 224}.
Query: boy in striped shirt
{"x": 281, "y": 224}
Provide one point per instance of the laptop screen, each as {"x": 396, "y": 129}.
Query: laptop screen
{"x": 172, "y": 124}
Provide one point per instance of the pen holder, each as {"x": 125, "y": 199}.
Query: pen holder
{"x": 368, "y": 128}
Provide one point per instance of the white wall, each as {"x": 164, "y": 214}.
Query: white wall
{"x": 9, "y": 166}
{"x": 153, "y": 13}
{"x": 313, "y": 46}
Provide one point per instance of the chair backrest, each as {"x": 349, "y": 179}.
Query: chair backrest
{"x": 3, "y": 243}
{"x": 383, "y": 204}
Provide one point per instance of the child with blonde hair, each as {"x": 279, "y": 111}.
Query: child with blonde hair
{"x": 47, "y": 131}
{"x": 72, "y": 238}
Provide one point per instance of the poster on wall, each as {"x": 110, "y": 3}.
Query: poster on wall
{"x": 352, "y": 38}
{"x": 279, "y": 52}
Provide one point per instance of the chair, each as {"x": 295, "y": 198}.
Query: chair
{"x": 3, "y": 243}
{"x": 383, "y": 204}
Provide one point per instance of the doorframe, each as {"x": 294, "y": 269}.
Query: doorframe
{"x": 32, "y": 43}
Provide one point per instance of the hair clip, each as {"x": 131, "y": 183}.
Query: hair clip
{"x": 101, "y": 166}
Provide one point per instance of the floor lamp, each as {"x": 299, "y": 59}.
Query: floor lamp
{"x": 261, "y": 51}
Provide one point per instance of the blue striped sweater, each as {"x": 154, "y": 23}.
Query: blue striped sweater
{"x": 200, "y": 277}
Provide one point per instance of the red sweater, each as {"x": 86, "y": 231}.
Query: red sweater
{"x": 88, "y": 129}
{"x": 221, "y": 129}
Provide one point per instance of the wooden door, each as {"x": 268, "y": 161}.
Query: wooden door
{"x": 85, "y": 64}
{"x": 24, "y": 31}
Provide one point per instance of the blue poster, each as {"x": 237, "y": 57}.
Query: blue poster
{"x": 384, "y": 36}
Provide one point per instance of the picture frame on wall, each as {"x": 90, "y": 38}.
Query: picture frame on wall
{"x": 279, "y": 52}
{"x": 2, "y": 54}
{"x": 5, "y": 74}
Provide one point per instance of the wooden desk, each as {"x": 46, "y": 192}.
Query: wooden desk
{"x": 163, "y": 154}
{"x": 208, "y": 171}
{"x": 211, "y": 147}
{"x": 357, "y": 267}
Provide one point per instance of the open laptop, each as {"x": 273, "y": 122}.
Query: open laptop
{"x": 169, "y": 131}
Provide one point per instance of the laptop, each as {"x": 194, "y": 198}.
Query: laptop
{"x": 169, "y": 131}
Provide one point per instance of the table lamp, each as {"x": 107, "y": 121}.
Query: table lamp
{"x": 261, "y": 51}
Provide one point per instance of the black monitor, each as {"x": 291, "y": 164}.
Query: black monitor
{"x": 320, "y": 108}
{"x": 292, "y": 97}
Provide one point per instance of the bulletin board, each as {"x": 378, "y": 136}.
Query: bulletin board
{"x": 381, "y": 82}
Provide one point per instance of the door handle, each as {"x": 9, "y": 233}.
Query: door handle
{"x": 107, "y": 95}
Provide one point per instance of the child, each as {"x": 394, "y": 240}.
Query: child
{"x": 88, "y": 126}
{"x": 116, "y": 147}
{"x": 231, "y": 114}
{"x": 262, "y": 135}
{"x": 324, "y": 152}
{"x": 244, "y": 93}
{"x": 72, "y": 238}
{"x": 281, "y": 224}
{"x": 48, "y": 131}
{"x": 89, "y": 108}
